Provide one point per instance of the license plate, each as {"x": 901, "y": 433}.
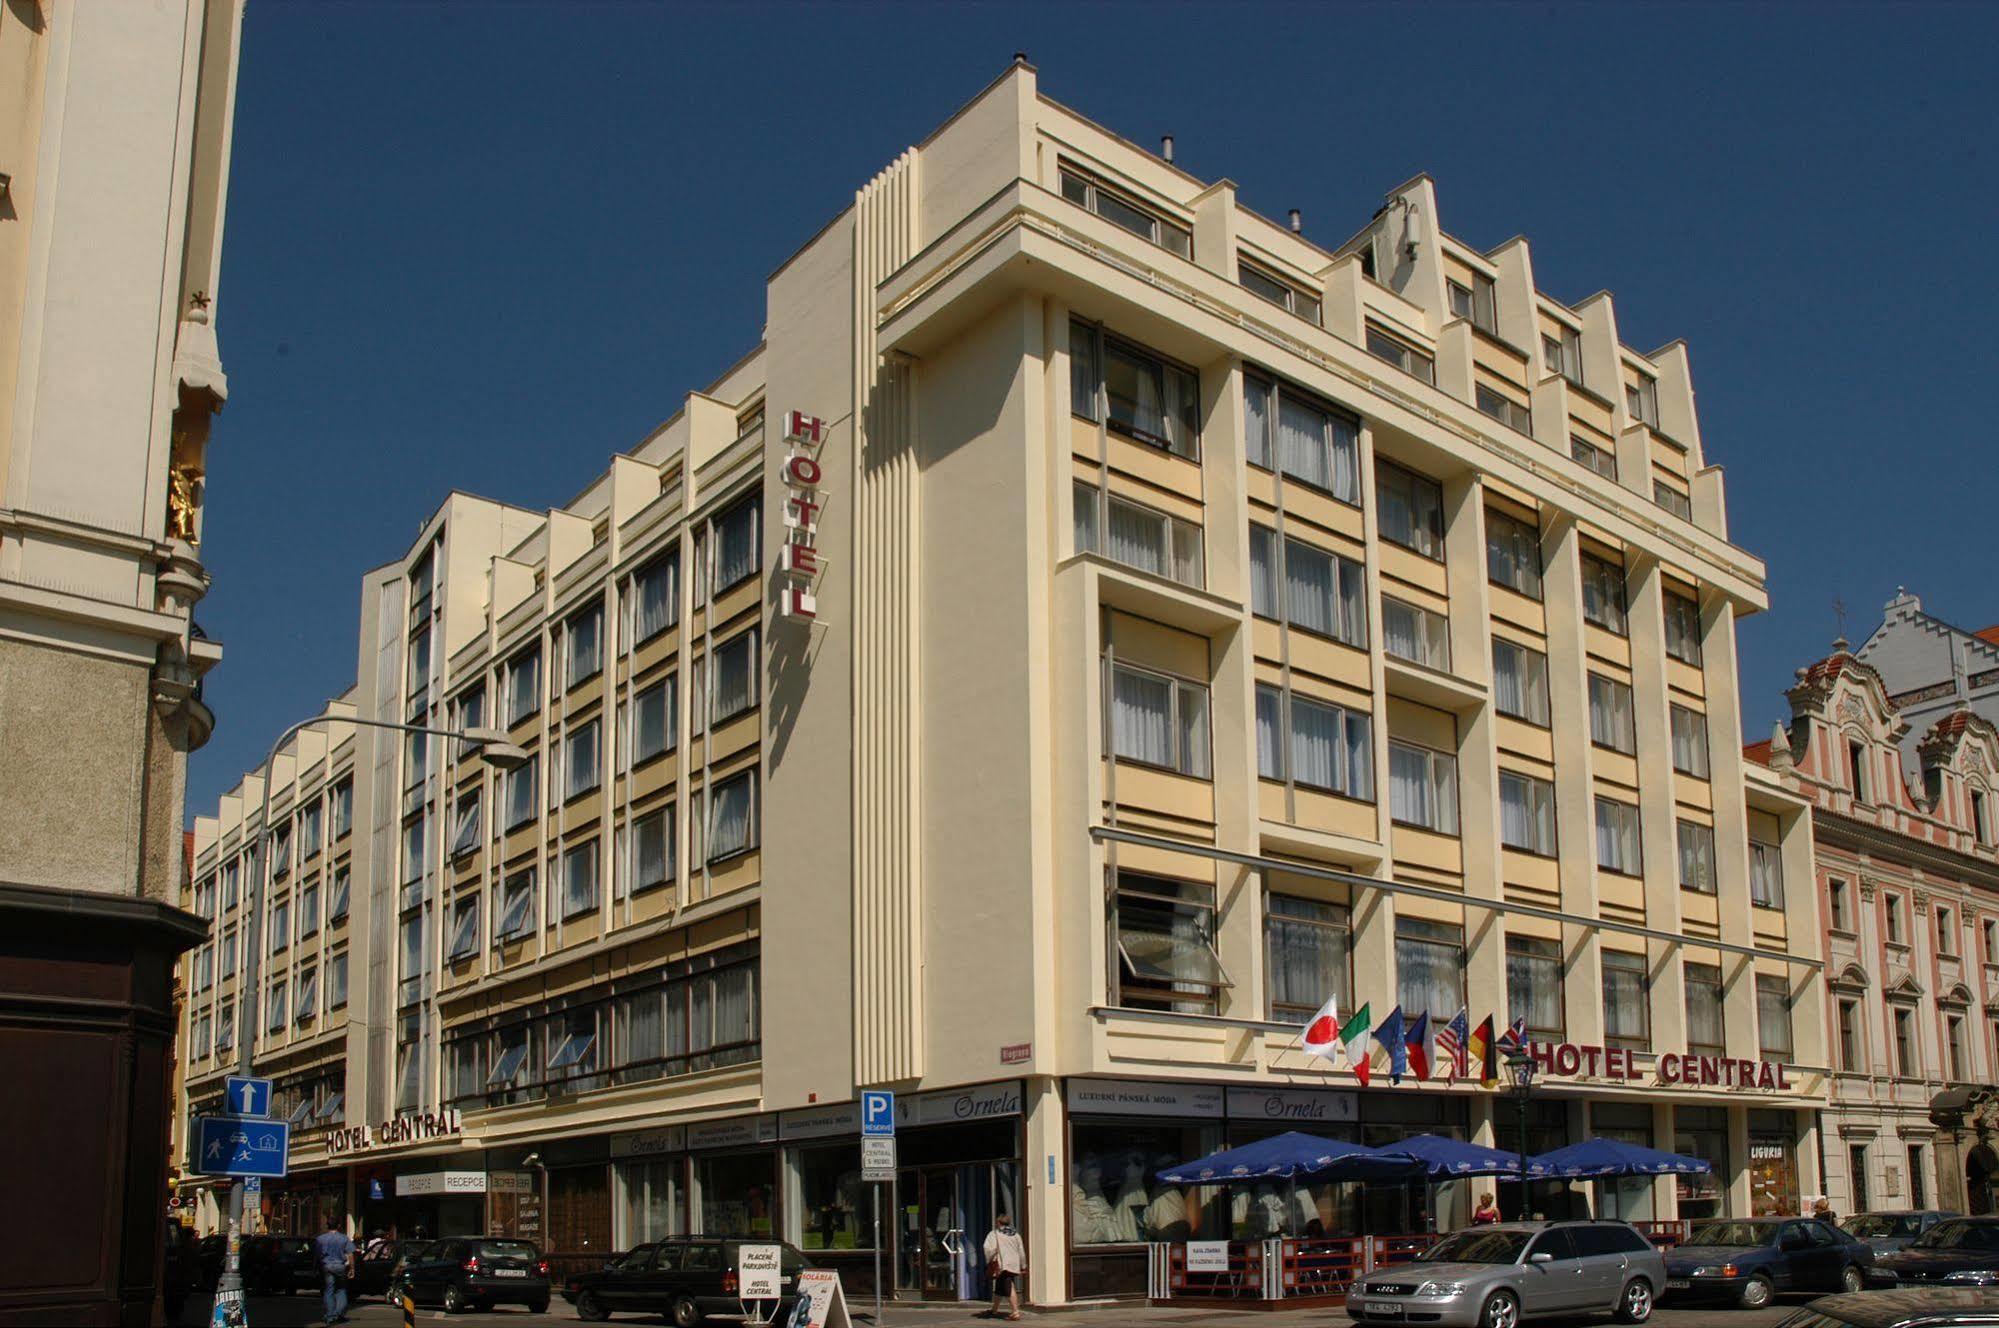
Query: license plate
{"x": 510, "y": 1272}
{"x": 1677, "y": 1284}
{"x": 1386, "y": 1308}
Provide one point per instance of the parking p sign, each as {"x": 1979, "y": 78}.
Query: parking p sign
{"x": 877, "y": 1114}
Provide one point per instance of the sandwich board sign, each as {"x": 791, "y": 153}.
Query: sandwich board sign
{"x": 821, "y": 1302}
{"x": 759, "y": 1272}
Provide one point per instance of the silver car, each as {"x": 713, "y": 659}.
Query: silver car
{"x": 1496, "y": 1276}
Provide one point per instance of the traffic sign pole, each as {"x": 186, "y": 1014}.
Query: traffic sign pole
{"x": 878, "y": 1165}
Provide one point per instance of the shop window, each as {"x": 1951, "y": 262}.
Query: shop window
{"x": 832, "y": 1201}
{"x": 1705, "y": 1024}
{"x": 1115, "y": 1195}
{"x": 1773, "y": 1164}
{"x": 648, "y": 1205}
{"x": 1689, "y": 731}
{"x": 1534, "y": 985}
{"x": 1310, "y": 956}
{"x": 1702, "y": 1132}
{"x": 1610, "y": 715}
{"x": 737, "y": 1192}
{"x": 1519, "y": 681}
{"x": 1429, "y": 967}
{"x": 1329, "y": 747}
{"x": 1288, "y": 430}
{"x": 1159, "y": 721}
{"x": 1628, "y": 1199}
{"x": 1311, "y": 588}
{"x": 1627, "y": 1001}
{"x": 1165, "y": 942}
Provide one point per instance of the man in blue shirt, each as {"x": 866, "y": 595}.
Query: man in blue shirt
{"x": 335, "y": 1253}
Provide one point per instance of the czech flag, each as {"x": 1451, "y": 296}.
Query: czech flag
{"x": 1353, "y": 1042}
{"x": 1418, "y": 1043}
{"x": 1321, "y": 1036}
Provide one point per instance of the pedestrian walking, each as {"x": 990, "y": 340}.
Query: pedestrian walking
{"x": 1006, "y": 1263}
{"x": 336, "y": 1264}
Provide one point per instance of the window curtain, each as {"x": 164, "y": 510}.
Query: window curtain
{"x": 1704, "y": 1022}
{"x": 1429, "y": 963}
{"x": 1316, "y": 746}
{"x": 1141, "y": 717}
{"x": 1625, "y": 1012}
{"x": 735, "y": 675}
{"x": 1697, "y": 857}
{"x": 1301, "y": 444}
{"x": 1256, "y": 422}
{"x": 1310, "y": 588}
{"x": 1137, "y": 538}
{"x": 736, "y": 546}
{"x": 1534, "y": 982}
{"x": 579, "y": 879}
{"x": 1136, "y": 396}
{"x": 1409, "y": 784}
{"x": 1084, "y": 500}
{"x": 1610, "y": 713}
{"x": 1352, "y": 627}
{"x": 1690, "y": 742}
{"x": 652, "y": 863}
{"x": 1308, "y": 954}
{"x": 1269, "y": 728}
{"x": 655, "y": 706}
{"x": 1360, "y": 757}
{"x": 1193, "y": 735}
{"x": 730, "y": 827}
{"x": 1082, "y": 371}
{"x": 1526, "y": 813}
{"x": 1509, "y": 688}
{"x": 1402, "y": 631}
{"x": 1617, "y": 836}
{"x": 1766, "y": 878}
{"x": 1773, "y": 1022}
{"x": 1263, "y": 596}
{"x": 655, "y": 599}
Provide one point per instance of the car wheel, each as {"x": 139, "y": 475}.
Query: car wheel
{"x": 1852, "y": 1279}
{"x": 538, "y": 1306}
{"x": 1755, "y": 1292}
{"x": 685, "y": 1313}
{"x": 1501, "y": 1310}
{"x": 589, "y": 1308}
{"x": 454, "y": 1299}
{"x": 1635, "y": 1305}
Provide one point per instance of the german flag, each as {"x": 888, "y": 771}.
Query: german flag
{"x": 1485, "y": 1053}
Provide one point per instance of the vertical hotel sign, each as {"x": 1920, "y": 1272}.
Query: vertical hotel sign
{"x": 799, "y": 561}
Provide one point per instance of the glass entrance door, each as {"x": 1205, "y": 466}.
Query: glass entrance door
{"x": 943, "y": 1215}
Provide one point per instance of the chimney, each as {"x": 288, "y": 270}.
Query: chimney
{"x": 1297, "y": 221}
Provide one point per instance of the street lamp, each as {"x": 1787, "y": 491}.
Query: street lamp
{"x": 492, "y": 747}
{"x": 1520, "y": 1067}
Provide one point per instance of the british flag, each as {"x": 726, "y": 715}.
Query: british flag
{"x": 1451, "y": 1040}
{"x": 1514, "y": 1036}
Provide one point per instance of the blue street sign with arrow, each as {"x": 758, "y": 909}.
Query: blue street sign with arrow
{"x": 227, "y": 1146}
{"x": 243, "y": 1096}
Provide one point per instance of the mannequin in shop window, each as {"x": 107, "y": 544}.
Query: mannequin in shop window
{"x": 1166, "y": 1216}
{"x": 1089, "y": 1211}
{"x": 1128, "y": 1213}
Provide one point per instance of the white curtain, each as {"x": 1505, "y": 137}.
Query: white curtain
{"x": 1309, "y": 588}
{"x": 731, "y": 816}
{"x": 1133, "y": 387}
{"x": 736, "y": 546}
{"x": 1704, "y": 1022}
{"x": 1316, "y": 745}
{"x": 1352, "y": 627}
{"x": 1402, "y": 630}
{"x": 1256, "y": 422}
{"x": 651, "y": 841}
{"x": 1526, "y": 813}
{"x": 736, "y": 675}
{"x": 656, "y": 599}
{"x": 1141, "y": 717}
{"x": 1610, "y": 713}
{"x": 1689, "y": 742}
{"x": 1617, "y": 836}
{"x": 1269, "y": 731}
{"x": 1263, "y": 596}
{"x": 1193, "y": 735}
{"x": 1301, "y": 441}
{"x": 1084, "y": 500}
{"x": 1409, "y": 784}
{"x": 1696, "y": 856}
{"x": 1137, "y": 538}
{"x": 1429, "y": 964}
{"x": 1360, "y": 757}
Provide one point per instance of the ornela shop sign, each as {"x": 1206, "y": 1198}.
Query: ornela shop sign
{"x": 1570, "y": 1059}
{"x": 408, "y": 1127}
{"x": 799, "y": 559}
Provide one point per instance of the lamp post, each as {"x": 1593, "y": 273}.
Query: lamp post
{"x": 493, "y": 748}
{"x": 1520, "y": 1066}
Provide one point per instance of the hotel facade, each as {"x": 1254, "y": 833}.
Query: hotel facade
{"x": 1095, "y": 626}
{"x": 1908, "y": 876}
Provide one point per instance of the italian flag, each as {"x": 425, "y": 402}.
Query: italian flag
{"x": 1353, "y": 1040}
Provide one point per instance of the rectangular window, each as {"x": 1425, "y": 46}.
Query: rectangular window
{"x": 281, "y": 851}
{"x": 1704, "y": 1017}
{"x": 1563, "y": 354}
{"x": 1329, "y": 747}
{"x": 655, "y": 598}
{"x": 654, "y": 709}
{"x": 1856, "y": 1170}
{"x": 1839, "y": 905}
{"x": 737, "y": 545}
{"x": 464, "y": 929}
{"x": 585, "y": 638}
{"x": 652, "y": 849}
{"x": 1309, "y": 587}
{"x": 1088, "y": 192}
{"x": 583, "y": 759}
{"x": 1159, "y": 721}
{"x": 1401, "y": 354}
{"x": 1697, "y": 857}
{"x": 733, "y": 675}
{"x": 1526, "y": 813}
{"x": 278, "y": 931}
{"x": 226, "y": 956}
{"x": 1519, "y": 681}
{"x": 336, "y": 895}
{"x": 1478, "y": 302}
{"x": 1534, "y": 985}
{"x": 1641, "y": 401}
{"x": 732, "y": 817}
{"x": 1989, "y": 929}
{"x": 1287, "y": 430}
{"x": 1610, "y": 722}
{"x": 1603, "y": 594}
{"x": 1165, "y": 943}
{"x": 523, "y": 685}
{"x": 579, "y": 879}
{"x": 1766, "y": 875}
{"x": 1689, "y": 728}
{"x": 1423, "y": 787}
{"x": 308, "y": 831}
{"x": 1599, "y": 459}
{"x": 1953, "y": 1032}
{"x": 1278, "y": 291}
{"x": 1981, "y": 819}
{"x": 1512, "y": 553}
{"x": 1946, "y": 933}
{"x": 413, "y": 957}
{"x": 516, "y": 907}
{"x": 1415, "y": 634}
{"x": 416, "y": 849}
{"x": 1905, "y": 1043}
{"x": 1144, "y": 397}
{"x": 336, "y": 980}
{"x": 466, "y": 824}
{"x": 308, "y": 910}
{"x": 1310, "y": 947}
{"x": 1849, "y": 1036}
{"x": 1683, "y": 629}
{"x": 1084, "y": 379}
{"x": 1503, "y": 408}
{"x": 1617, "y": 847}
{"x": 1892, "y": 909}
{"x": 279, "y": 1013}
{"x": 1410, "y": 508}
{"x": 1140, "y": 537}
{"x": 1429, "y": 966}
{"x": 520, "y": 793}
{"x": 419, "y": 664}
{"x": 1773, "y": 1016}
{"x": 1627, "y": 1003}
{"x": 1672, "y": 500}
{"x": 1919, "y": 1195}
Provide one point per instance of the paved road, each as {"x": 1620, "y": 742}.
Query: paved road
{"x": 303, "y": 1312}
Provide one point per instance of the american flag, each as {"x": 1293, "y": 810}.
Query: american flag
{"x": 1451, "y": 1040}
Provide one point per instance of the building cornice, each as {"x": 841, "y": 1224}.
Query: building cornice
{"x": 1844, "y": 831}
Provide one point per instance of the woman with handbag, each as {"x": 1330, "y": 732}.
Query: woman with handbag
{"x": 1006, "y": 1261}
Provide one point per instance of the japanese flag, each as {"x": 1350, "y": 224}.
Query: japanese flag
{"x": 1322, "y": 1031}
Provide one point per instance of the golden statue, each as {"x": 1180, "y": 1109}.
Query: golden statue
{"x": 182, "y": 480}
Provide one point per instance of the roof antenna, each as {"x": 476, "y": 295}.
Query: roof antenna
{"x": 1297, "y": 221}
{"x": 1020, "y": 57}
{"x": 1166, "y": 148}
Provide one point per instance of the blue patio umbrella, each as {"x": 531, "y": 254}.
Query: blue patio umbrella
{"x": 1287, "y": 1157}
{"x": 1449, "y": 1159}
{"x": 1607, "y": 1157}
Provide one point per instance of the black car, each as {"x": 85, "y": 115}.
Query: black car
{"x": 1886, "y": 1232}
{"x": 278, "y": 1265}
{"x": 178, "y": 1267}
{"x": 476, "y": 1272}
{"x": 1912, "y": 1307}
{"x": 375, "y": 1266}
{"x": 688, "y": 1279}
{"x": 1748, "y": 1261}
{"x": 1960, "y": 1251}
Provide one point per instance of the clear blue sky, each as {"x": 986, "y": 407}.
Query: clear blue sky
{"x": 485, "y": 246}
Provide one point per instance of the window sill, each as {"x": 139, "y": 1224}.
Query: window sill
{"x": 1452, "y": 833}
{"x": 1156, "y": 768}
{"x": 720, "y": 591}
{"x": 732, "y": 855}
{"x": 591, "y": 676}
{"x": 1533, "y": 595}
{"x": 571, "y": 798}
{"x": 1305, "y": 484}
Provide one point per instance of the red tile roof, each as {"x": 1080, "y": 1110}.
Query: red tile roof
{"x": 1989, "y": 634}
{"x": 1758, "y": 752}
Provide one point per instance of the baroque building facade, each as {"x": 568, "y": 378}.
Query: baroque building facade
{"x": 1093, "y": 628}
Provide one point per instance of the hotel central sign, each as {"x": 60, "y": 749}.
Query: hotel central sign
{"x": 1572, "y": 1060}
{"x": 409, "y": 1127}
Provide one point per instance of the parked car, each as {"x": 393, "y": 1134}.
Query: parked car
{"x": 271, "y": 1265}
{"x": 375, "y": 1267}
{"x": 1910, "y": 1307}
{"x": 1496, "y": 1276}
{"x": 1962, "y": 1251}
{"x": 209, "y": 1253}
{"x": 687, "y": 1279}
{"x": 1749, "y": 1261}
{"x": 407, "y": 1253}
{"x": 474, "y": 1272}
{"x": 1890, "y": 1231}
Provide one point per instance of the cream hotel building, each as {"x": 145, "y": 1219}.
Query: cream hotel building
{"x": 1095, "y": 625}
